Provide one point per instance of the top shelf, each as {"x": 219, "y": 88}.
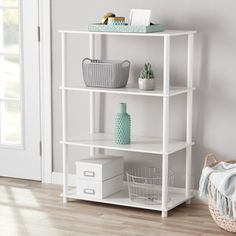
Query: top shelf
{"x": 157, "y": 34}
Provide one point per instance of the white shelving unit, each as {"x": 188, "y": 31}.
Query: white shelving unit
{"x": 161, "y": 146}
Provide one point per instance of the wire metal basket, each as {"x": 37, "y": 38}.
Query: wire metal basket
{"x": 105, "y": 73}
{"x": 144, "y": 185}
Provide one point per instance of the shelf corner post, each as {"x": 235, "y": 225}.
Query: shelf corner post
{"x": 188, "y": 171}
{"x": 63, "y": 84}
{"x": 92, "y": 94}
{"x": 166, "y": 90}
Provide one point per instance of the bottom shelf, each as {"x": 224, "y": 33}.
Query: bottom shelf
{"x": 122, "y": 199}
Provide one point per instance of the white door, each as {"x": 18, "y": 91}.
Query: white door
{"x": 19, "y": 90}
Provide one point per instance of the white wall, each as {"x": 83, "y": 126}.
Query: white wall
{"x": 215, "y": 70}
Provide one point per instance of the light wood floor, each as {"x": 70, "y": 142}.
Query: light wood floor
{"x": 31, "y": 208}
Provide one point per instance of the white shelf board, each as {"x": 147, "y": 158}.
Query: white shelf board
{"x": 138, "y": 144}
{"x": 121, "y": 198}
{"x": 156, "y": 34}
{"x": 132, "y": 90}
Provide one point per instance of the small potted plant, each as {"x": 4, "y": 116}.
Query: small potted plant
{"x": 146, "y": 79}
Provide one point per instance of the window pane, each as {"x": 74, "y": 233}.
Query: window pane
{"x": 10, "y": 77}
{"x": 11, "y": 3}
{"x": 9, "y": 31}
{"x": 11, "y": 122}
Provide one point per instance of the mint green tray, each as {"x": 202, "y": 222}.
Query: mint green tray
{"x": 125, "y": 28}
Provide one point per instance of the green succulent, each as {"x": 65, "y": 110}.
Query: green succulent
{"x": 147, "y": 72}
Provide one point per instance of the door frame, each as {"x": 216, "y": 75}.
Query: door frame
{"x": 45, "y": 88}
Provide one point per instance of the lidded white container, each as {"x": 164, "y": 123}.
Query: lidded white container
{"x": 99, "y": 176}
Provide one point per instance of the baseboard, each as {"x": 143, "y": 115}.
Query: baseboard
{"x": 57, "y": 178}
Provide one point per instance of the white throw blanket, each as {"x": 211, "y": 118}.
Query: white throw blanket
{"x": 219, "y": 184}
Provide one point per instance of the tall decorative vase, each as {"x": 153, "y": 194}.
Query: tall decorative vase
{"x": 122, "y": 126}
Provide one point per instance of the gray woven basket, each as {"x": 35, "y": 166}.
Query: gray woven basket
{"x": 105, "y": 73}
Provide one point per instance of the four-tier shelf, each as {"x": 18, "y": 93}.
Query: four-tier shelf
{"x": 163, "y": 146}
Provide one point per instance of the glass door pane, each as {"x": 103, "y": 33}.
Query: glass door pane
{"x": 10, "y": 74}
{"x": 11, "y": 122}
{"x": 10, "y": 77}
{"x": 9, "y": 37}
{"x": 9, "y": 3}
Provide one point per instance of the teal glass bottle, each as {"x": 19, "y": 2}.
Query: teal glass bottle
{"x": 122, "y": 126}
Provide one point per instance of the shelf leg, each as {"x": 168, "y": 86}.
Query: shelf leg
{"x": 164, "y": 185}
{"x": 92, "y": 94}
{"x": 65, "y": 200}
{"x": 165, "y": 132}
{"x": 91, "y": 115}
{"x": 64, "y": 119}
{"x": 188, "y": 171}
{"x": 164, "y": 214}
{"x": 188, "y": 179}
{"x": 65, "y": 173}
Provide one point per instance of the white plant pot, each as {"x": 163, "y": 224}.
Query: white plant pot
{"x": 146, "y": 84}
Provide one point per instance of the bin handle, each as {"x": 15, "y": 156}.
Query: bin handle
{"x": 125, "y": 61}
{"x": 86, "y": 59}
{"x": 208, "y": 157}
{"x": 91, "y": 60}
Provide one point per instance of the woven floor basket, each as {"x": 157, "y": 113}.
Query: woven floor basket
{"x": 222, "y": 221}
